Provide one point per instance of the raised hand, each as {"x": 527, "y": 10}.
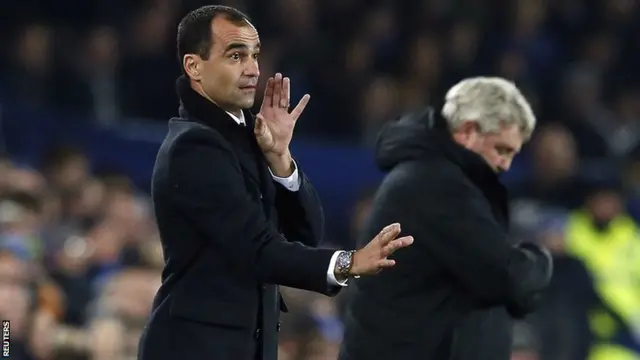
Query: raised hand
{"x": 373, "y": 258}
{"x": 274, "y": 123}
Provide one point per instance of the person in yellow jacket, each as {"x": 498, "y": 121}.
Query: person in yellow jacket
{"x": 607, "y": 240}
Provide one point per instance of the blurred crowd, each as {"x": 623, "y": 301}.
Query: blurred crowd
{"x": 80, "y": 258}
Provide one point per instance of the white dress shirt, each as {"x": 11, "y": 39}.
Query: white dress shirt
{"x": 292, "y": 183}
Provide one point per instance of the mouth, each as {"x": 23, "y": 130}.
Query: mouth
{"x": 248, "y": 88}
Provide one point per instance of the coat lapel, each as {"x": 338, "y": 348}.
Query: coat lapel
{"x": 254, "y": 167}
{"x": 262, "y": 170}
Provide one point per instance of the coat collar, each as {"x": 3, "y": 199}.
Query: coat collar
{"x": 196, "y": 108}
{"x": 471, "y": 163}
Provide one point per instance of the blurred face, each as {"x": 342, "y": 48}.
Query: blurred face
{"x": 14, "y": 306}
{"x": 132, "y": 292}
{"x": 26, "y": 180}
{"x": 13, "y": 270}
{"x": 379, "y": 100}
{"x": 497, "y": 149}
{"x": 35, "y": 48}
{"x": 73, "y": 172}
{"x": 604, "y": 205}
{"x": 125, "y": 213}
{"x": 14, "y": 295}
{"x": 555, "y": 153}
{"x": 103, "y": 47}
{"x": 230, "y": 75}
{"x": 92, "y": 197}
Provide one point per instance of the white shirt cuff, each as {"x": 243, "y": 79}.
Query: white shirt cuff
{"x": 292, "y": 183}
{"x": 331, "y": 277}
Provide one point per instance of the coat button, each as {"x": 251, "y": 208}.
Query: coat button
{"x": 257, "y": 334}
{"x": 278, "y": 327}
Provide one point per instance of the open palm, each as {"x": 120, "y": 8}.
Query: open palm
{"x": 274, "y": 123}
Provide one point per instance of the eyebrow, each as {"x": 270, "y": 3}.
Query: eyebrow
{"x": 239, "y": 46}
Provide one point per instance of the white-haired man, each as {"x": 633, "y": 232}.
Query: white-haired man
{"x": 454, "y": 294}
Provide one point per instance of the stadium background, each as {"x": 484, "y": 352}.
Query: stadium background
{"x": 86, "y": 88}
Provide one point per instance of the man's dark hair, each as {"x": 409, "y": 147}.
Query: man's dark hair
{"x": 194, "y": 31}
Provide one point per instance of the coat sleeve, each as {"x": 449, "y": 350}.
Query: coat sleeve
{"x": 300, "y": 212}
{"x": 208, "y": 189}
{"x": 452, "y": 221}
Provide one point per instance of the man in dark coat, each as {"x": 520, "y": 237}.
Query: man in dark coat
{"x": 455, "y": 291}
{"x": 235, "y": 213}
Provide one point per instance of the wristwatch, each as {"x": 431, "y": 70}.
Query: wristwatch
{"x": 344, "y": 262}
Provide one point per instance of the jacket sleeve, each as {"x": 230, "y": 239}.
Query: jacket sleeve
{"x": 300, "y": 212}
{"x": 452, "y": 221}
{"x": 209, "y": 190}
{"x": 521, "y": 306}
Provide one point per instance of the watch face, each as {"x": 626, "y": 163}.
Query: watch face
{"x": 343, "y": 261}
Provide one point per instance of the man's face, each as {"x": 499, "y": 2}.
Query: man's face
{"x": 498, "y": 149}
{"x": 230, "y": 76}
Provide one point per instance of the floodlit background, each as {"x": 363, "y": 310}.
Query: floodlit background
{"x": 86, "y": 88}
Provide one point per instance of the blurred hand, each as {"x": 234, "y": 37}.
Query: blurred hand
{"x": 372, "y": 258}
{"x": 43, "y": 333}
{"x": 274, "y": 123}
{"x": 107, "y": 340}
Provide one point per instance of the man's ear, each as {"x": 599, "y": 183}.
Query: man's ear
{"x": 472, "y": 127}
{"x": 466, "y": 133}
{"x": 192, "y": 65}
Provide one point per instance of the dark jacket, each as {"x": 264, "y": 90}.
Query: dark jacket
{"x": 228, "y": 232}
{"x": 453, "y": 293}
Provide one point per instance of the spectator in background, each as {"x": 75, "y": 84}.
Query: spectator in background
{"x": 65, "y": 168}
{"x": 604, "y": 237}
{"x": 149, "y": 54}
{"x": 121, "y": 311}
{"x": 31, "y": 75}
{"x": 378, "y": 105}
{"x": 92, "y": 81}
{"x": 554, "y": 181}
{"x": 49, "y": 270}
{"x": 20, "y": 225}
{"x": 16, "y": 301}
{"x": 561, "y": 323}
{"x": 33, "y": 304}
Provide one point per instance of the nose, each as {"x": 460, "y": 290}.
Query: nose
{"x": 504, "y": 165}
{"x": 252, "y": 69}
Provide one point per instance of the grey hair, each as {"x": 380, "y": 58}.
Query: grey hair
{"x": 490, "y": 102}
